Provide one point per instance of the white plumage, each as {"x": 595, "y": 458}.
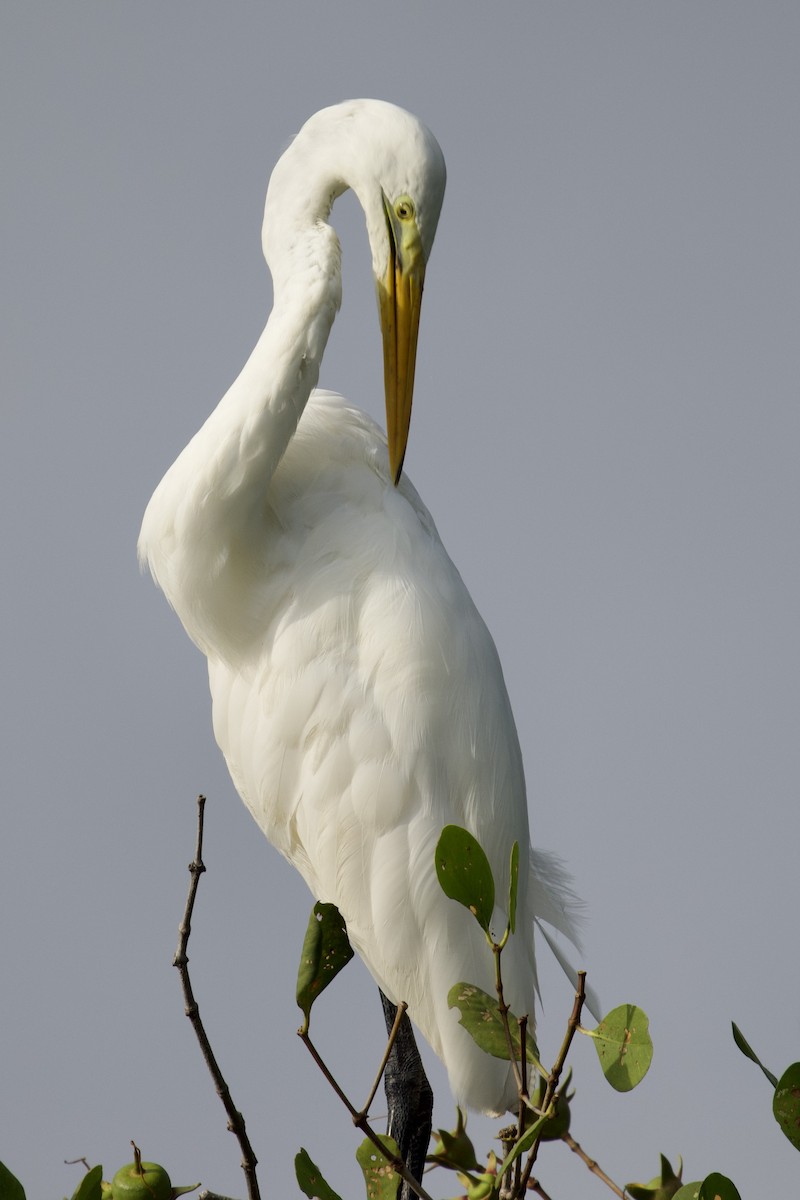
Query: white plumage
{"x": 357, "y": 694}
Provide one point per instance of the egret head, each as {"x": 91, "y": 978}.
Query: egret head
{"x": 396, "y": 168}
{"x": 401, "y": 191}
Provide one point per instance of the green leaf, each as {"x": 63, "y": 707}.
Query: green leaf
{"x": 10, "y": 1186}
{"x": 89, "y": 1187}
{"x": 689, "y": 1191}
{"x": 454, "y": 1150}
{"x": 665, "y": 1186}
{"x": 717, "y": 1187}
{"x": 483, "y": 1186}
{"x": 310, "y": 1179}
{"x": 381, "y": 1179}
{"x": 523, "y": 1145}
{"x": 786, "y": 1104}
{"x": 623, "y": 1046}
{"x": 326, "y": 950}
{"x": 513, "y": 878}
{"x": 748, "y": 1051}
{"x": 464, "y": 873}
{"x": 557, "y": 1125}
{"x": 480, "y": 1016}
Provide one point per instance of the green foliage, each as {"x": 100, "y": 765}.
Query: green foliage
{"x": 624, "y": 1046}
{"x": 91, "y": 1186}
{"x": 717, "y": 1187}
{"x": 135, "y": 1181}
{"x": 141, "y": 1181}
{"x": 10, "y": 1186}
{"x": 310, "y": 1179}
{"x": 484, "y": 1185}
{"x": 663, "y": 1187}
{"x": 464, "y": 873}
{"x": 522, "y": 1145}
{"x": 786, "y": 1096}
{"x": 454, "y": 1150}
{"x": 622, "y": 1041}
{"x": 381, "y": 1179}
{"x": 786, "y": 1103}
{"x": 513, "y": 879}
{"x": 748, "y": 1051}
{"x": 480, "y": 1016}
{"x": 668, "y": 1187}
{"x": 326, "y": 950}
{"x": 558, "y": 1124}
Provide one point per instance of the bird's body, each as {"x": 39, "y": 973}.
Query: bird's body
{"x": 357, "y": 694}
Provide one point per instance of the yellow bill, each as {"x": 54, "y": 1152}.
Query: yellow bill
{"x": 399, "y": 301}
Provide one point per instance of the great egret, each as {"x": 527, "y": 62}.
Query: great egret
{"x": 357, "y": 694}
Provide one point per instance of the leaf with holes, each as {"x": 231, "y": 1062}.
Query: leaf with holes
{"x": 381, "y": 1179}
{"x": 480, "y": 1016}
{"x": 464, "y": 873}
{"x": 326, "y": 950}
{"x": 624, "y": 1047}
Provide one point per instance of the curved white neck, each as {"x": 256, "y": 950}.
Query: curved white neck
{"x": 215, "y": 490}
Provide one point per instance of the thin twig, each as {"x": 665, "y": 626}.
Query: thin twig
{"x": 555, "y": 1075}
{"x": 591, "y": 1164}
{"x": 504, "y": 1010}
{"x": 398, "y": 1017}
{"x": 523, "y": 1108}
{"x": 360, "y": 1119}
{"x": 236, "y": 1122}
{"x": 533, "y": 1186}
{"x": 318, "y": 1059}
{"x": 523, "y": 1057}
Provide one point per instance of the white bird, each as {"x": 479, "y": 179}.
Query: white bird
{"x": 357, "y": 693}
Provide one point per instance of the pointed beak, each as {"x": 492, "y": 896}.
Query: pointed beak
{"x": 399, "y": 302}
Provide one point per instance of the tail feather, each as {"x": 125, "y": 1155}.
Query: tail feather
{"x": 556, "y": 903}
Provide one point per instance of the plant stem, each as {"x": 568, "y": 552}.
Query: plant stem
{"x": 592, "y": 1165}
{"x": 401, "y": 1009}
{"x": 360, "y": 1119}
{"x": 236, "y": 1122}
{"x": 555, "y": 1075}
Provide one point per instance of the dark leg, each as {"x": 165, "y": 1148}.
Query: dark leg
{"x": 409, "y": 1097}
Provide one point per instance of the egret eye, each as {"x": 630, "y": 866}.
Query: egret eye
{"x": 404, "y": 208}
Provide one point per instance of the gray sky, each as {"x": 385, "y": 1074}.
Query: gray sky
{"x": 606, "y": 430}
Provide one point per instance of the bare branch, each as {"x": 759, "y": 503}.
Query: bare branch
{"x": 360, "y": 1119}
{"x": 401, "y": 1009}
{"x": 535, "y": 1187}
{"x": 236, "y": 1122}
{"x": 503, "y": 1009}
{"x": 591, "y": 1164}
{"x": 555, "y": 1075}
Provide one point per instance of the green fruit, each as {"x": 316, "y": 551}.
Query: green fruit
{"x": 147, "y": 1182}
